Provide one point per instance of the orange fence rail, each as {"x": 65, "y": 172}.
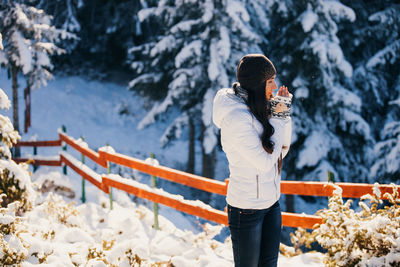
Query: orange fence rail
{"x": 300, "y": 220}
{"x": 188, "y": 179}
{"x": 323, "y": 189}
{"x": 84, "y": 174}
{"x": 93, "y": 155}
{"x": 39, "y": 161}
{"x": 38, "y": 143}
{"x": 208, "y": 214}
{"x": 104, "y": 183}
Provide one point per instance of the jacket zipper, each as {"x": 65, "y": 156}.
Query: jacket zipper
{"x": 257, "y": 186}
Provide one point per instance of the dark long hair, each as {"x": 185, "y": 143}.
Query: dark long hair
{"x": 252, "y": 73}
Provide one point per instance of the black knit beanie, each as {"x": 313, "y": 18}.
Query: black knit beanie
{"x": 253, "y": 70}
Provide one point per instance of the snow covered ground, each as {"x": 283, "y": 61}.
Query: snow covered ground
{"x": 58, "y": 232}
{"x": 91, "y": 109}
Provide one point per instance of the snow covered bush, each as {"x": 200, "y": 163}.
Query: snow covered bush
{"x": 369, "y": 237}
{"x": 10, "y": 256}
{"x": 8, "y": 136}
{"x": 61, "y": 212}
{"x": 96, "y": 254}
{"x": 18, "y": 243}
{"x": 12, "y": 251}
{"x": 10, "y": 188}
{"x": 15, "y": 183}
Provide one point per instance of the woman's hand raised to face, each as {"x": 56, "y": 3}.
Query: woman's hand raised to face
{"x": 283, "y": 91}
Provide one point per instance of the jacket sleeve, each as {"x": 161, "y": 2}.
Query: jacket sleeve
{"x": 244, "y": 139}
{"x": 287, "y": 136}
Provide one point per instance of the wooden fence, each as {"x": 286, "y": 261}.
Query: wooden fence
{"x": 36, "y": 161}
{"x": 105, "y": 182}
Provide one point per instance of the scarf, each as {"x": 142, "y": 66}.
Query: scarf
{"x": 240, "y": 91}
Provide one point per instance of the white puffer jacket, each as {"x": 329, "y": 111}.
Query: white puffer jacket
{"x": 254, "y": 179}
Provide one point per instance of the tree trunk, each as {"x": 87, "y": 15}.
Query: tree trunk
{"x": 208, "y": 161}
{"x": 27, "y": 96}
{"x": 191, "y": 159}
{"x": 289, "y": 199}
{"x": 14, "y": 73}
{"x": 209, "y": 164}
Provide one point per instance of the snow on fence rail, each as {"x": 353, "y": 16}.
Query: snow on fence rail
{"x": 93, "y": 155}
{"x": 84, "y": 171}
{"x": 104, "y": 182}
{"x": 196, "y": 208}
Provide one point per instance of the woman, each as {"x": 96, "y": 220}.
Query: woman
{"x": 255, "y": 138}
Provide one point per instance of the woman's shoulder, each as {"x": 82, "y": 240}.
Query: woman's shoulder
{"x": 227, "y": 95}
{"x": 228, "y": 106}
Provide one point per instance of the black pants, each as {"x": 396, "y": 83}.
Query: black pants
{"x": 255, "y": 235}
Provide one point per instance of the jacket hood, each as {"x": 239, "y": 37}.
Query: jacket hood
{"x": 225, "y": 102}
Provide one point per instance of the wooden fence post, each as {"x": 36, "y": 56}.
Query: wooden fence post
{"x": 83, "y": 180}
{"x": 155, "y": 204}
{"x": 34, "y": 153}
{"x": 64, "y": 130}
{"x": 331, "y": 177}
{"x": 110, "y": 188}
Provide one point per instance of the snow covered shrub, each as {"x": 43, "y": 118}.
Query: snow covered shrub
{"x": 7, "y": 221}
{"x": 134, "y": 259}
{"x": 108, "y": 244}
{"x": 12, "y": 251}
{"x": 9, "y": 185}
{"x": 14, "y": 187}
{"x": 96, "y": 254}
{"x": 289, "y": 251}
{"x": 55, "y": 207}
{"x": 15, "y": 183}
{"x": 369, "y": 237}
{"x": 8, "y": 136}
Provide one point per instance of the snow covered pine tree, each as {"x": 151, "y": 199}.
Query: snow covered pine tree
{"x": 378, "y": 78}
{"x": 64, "y": 16}
{"x": 29, "y": 40}
{"x": 105, "y": 33}
{"x": 327, "y": 111}
{"x": 191, "y": 50}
